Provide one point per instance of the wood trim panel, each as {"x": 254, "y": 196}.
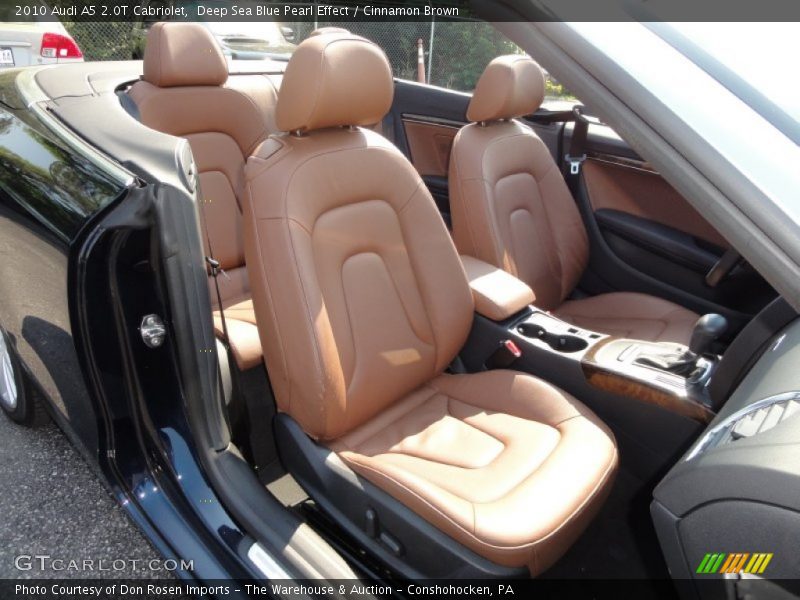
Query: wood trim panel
{"x": 617, "y": 383}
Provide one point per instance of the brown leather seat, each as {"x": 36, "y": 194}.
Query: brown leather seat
{"x": 185, "y": 91}
{"x": 511, "y": 208}
{"x": 362, "y": 303}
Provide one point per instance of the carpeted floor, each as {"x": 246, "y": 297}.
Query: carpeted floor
{"x": 621, "y": 542}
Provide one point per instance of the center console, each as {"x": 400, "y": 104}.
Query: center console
{"x": 641, "y": 370}
{"x": 654, "y": 396}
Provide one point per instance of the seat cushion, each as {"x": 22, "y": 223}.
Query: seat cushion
{"x": 242, "y": 333}
{"x": 631, "y": 315}
{"x": 504, "y": 463}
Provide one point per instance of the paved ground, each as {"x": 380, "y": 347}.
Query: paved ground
{"x": 51, "y": 503}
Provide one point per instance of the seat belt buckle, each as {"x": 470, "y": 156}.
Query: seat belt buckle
{"x": 214, "y": 266}
{"x": 507, "y": 352}
{"x": 213, "y": 263}
{"x": 575, "y": 163}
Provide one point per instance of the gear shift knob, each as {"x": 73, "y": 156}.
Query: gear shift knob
{"x": 707, "y": 329}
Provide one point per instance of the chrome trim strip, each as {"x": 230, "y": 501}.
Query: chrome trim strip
{"x": 35, "y": 98}
{"x": 621, "y": 161}
{"x": 727, "y": 422}
{"x": 265, "y": 563}
{"x": 413, "y": 118}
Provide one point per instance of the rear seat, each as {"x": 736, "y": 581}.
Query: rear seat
{"x": 185, "y": 91}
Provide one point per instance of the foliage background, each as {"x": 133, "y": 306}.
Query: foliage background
{"x": 461, "y": 49}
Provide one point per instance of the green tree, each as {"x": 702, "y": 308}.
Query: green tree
{"x": 461, "y": 51}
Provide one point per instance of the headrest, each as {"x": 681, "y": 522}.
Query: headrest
{"x": 183, "y": 54}
{"x": 334, "y": 79}
{"x": 510, "y": 86}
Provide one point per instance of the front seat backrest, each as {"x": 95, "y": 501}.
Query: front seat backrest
{"x": 359, "y": 294}
{"x": 509, "y": 204}
{"x": 185, "y": 92}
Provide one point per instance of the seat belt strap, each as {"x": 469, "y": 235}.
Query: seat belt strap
{"x": 215, "y": 269}
{"x": 577, "y": 144}
{"x": 258, "y": 446}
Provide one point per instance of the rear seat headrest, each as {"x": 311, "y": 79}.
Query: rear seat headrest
{"x": 511, "y": 86}
{"x": 183, "y": 54}
{"x": 334, "y": 78}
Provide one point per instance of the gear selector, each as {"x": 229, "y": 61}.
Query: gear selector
{"x": 706, "y": 331}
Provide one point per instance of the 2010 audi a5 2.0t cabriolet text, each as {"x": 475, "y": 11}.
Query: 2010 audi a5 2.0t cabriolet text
{"x": 313, "y": 320}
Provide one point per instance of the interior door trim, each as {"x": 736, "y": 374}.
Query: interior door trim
{"x": 622, "y": 161}
{"x": 412, "y": 118}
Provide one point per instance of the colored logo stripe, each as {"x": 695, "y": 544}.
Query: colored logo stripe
{"x": 737, "y": 562}
{"x": 711, "y": 563}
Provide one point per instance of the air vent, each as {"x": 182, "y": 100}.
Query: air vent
{"x": 756, "y": 418}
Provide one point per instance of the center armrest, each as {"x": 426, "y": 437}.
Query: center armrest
{"x": 497, "y": 294}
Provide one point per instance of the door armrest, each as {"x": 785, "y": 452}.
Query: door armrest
{"x": 497, "y": 294}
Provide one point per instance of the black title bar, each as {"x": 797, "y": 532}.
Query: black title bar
{"x": 343, "y": 11}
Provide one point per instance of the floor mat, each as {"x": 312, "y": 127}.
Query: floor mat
{"x": 621, "y": 542}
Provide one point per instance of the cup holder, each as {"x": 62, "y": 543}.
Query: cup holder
{"x": 560, "y": 343}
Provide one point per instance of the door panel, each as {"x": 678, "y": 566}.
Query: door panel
{"x": 646, "y": 237}
{"x": 429, "y": 144}
{"x": 427, "y": 119}
{"x": 633, "y": 188}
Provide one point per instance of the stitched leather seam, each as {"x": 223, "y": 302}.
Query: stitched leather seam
{"x": 449, "y": 414}
{"x": 399, "y": 417}
{"x": 471, "y": 534}
{"x": 309, "y": 326}
{"x": 464, "y": 210}
{"x": 414, "y": 271}
{"x": 380, "y": 255}
{"x": 489, "y": 206}
{"x": 230, "y": 184}
{"x": 558, "y": 274}
{"x": 268, "y": 289}
{"x": 610, "y": 469}
{"x": 349, "y": 376}
{"x": 264, "y": 133}
{"x": 189, "y": 90}
{"x": 284, "y": 199}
